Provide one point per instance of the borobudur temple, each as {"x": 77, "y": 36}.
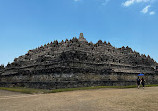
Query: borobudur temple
{"x": 78, "y": 63}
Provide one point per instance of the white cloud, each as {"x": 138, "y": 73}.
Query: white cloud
{"x": 128, "y": 3}
{"x": 152, "y": 13}
{"x": 145, "y": 10}
{"x": 131, "y": 2}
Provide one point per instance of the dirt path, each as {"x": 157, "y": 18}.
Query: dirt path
{"x": 85, "y": 100}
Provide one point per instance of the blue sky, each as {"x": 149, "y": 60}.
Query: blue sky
{"x": 27, "y": 24}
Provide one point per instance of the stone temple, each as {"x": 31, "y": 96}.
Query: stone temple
{"x": 78, "y": 63}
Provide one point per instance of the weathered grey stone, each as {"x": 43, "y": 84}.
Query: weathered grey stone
{"x": 77, "y": 63}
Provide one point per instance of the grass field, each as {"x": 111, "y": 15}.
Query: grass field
{"x": 36, "y": 91}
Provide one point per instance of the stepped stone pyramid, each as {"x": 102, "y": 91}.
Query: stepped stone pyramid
{"x": 78, "y": 63}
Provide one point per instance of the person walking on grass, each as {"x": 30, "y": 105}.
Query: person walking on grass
{"x": 142, "y": 82}
{"x": 138, "y": 82}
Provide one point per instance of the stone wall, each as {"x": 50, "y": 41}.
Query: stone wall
{"x": 77, "y": 63}
{"x": 53, "y": 81}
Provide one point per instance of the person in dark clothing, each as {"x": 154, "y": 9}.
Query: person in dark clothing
{"x": 143, "y": 82}
{"x": 138, "y": 82}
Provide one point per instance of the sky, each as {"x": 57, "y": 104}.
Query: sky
{"x": 27, "y": 24}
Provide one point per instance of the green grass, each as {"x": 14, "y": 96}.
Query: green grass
{"x": 88, "y": 88}
{"x": 24, "y": 90}
{"x": 39, "y": 91}
{"x": 151, "y": 85}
